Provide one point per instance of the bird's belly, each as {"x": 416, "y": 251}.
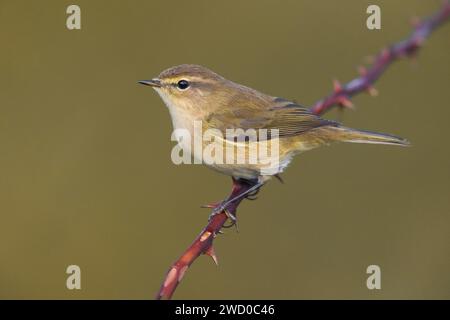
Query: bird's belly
{"x": 237, "y": 170}
{"x": 216, "y": 156}
{"x": 267, "y": 163}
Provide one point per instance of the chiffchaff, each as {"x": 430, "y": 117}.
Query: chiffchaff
{"x": 194, "y": 93}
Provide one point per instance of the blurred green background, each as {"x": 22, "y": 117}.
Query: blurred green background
{"x": 86, "y": 175}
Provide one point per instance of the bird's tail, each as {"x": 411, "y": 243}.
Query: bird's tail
{"x": 345, "y": 134}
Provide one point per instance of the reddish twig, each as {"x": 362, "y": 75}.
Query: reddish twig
{"x": 341, "y": 96}
{"x": 406, "y": 48}
{"x": 201, "y": 245}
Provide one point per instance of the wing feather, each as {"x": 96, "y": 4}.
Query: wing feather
{"x": 288, "y": 117}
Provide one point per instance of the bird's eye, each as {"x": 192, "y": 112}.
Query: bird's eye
{"x": 183, "y": 84}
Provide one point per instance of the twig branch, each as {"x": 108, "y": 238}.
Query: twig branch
{"x": 406, "y": 48}
{"x": 201, "y": 245}
{"x": 341, "y": 96}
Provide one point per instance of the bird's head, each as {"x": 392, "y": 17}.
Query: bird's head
{"x": 190, "y": 87}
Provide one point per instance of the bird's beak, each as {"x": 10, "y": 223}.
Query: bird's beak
{"x": 153, "y": 83}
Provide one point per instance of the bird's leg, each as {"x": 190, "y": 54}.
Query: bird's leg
{"x": 241, "y": 189}
{"x": 239, "y": 186}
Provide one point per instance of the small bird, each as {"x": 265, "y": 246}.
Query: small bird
{"x": 194, "y": 93}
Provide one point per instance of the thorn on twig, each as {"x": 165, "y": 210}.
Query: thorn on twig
{"x": 346, "y": 102}
{"x": 337, "y": 86}
{"x": 362, "y": 71}
{"x": 372, "y": 91}
{"x": 211, "y": 252}
{"x": 209, "y": 206}
{"x": 415, "y": 22}
{"x": 385, "y": 53}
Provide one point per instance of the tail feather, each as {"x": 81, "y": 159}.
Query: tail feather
{"x": 362, "y": 136}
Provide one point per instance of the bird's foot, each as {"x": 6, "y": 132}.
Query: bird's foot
{"x": 252, "y": 195}
{"x": 219, "y": 208}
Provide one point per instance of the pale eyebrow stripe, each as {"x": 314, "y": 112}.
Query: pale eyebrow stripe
{"x": 189, "y": 78}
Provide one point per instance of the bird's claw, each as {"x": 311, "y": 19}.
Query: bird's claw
{"x": 252, "y": 195}
{"x": 233, "y": 220}
{"x": 222, "y": 207}
{"x": 217, "y": 208}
